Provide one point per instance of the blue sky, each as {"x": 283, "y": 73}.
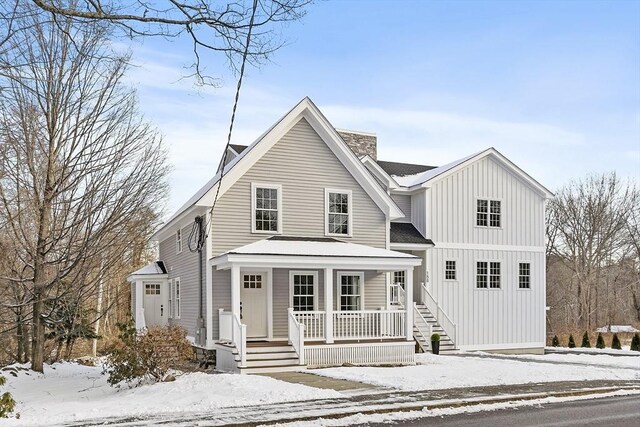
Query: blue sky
{"x": 555, "y": 86}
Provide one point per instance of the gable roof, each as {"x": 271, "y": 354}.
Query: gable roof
{"x": 427, "y": 178}
{"x": 249, "y": 155}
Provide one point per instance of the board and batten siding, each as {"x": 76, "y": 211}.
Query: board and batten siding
{"x": 491, "y": 318}
{"x": 374, "y": 295}
{"x": 304, "y": 166}
{"x": 488, "y": 318}
{"x": 453, "y": 207}
{"x": 185, "y": 266}
{"x": 404, "y": 203}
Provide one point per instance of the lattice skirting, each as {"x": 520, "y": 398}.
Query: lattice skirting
{"x": 317, "y": 356}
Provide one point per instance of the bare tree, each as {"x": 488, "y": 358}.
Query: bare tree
{"x": 78, "y": 164}
{"x": 588, "y": 233}
{"x": 210, "y": 26}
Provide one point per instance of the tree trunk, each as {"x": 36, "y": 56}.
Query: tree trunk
{"x": 96, "y": 329}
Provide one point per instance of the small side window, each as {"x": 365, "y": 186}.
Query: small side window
{"x": 524, "y": 276}
{"x": 450, "y": 270}
{"x": 178, "y": 241}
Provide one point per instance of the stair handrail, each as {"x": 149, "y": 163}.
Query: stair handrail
{"x": 296, "y": 336}
{"x": 443, "y": 319}
{"x": 428, "y": 337}
{"x": 239, "y": 334}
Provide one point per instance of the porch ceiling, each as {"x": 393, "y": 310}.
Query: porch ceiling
{"x": 324, "y": 252}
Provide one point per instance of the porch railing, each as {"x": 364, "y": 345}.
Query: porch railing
{"x": 353, "y": 325}
{"x": 369, "y": 324}
{"x": 233, "y": 331}
{"x": 445, "y": 321}
{"x": 296, "y": 336}
{"x": 314, "y": 324}
{"x": 396, "y": 294}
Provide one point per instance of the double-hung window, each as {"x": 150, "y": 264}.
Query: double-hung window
{"x": 399, "y": 280}
{"x": 303, "y": 290}
{"x": 338, "y": 207}
{"x": 487, "y": 275}
{"x": 488, "y": 213}
{"x": 266, "y": 203}
{"x": 449, "y": 270}
{"x": 176, "y": 298}
{"x": 350, "y": 287}
{"x": 171, "y": 299}
{"x": 524, "y": 275}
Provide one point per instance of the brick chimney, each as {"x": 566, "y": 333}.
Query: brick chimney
{"x": 361, "y": 143}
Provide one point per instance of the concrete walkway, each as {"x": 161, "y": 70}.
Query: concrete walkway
{"x": 368, "y": 403}
{"x": 311, "y": 380}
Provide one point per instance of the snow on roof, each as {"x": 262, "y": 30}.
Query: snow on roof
{"x": 302, "y": 246}
{"x": 617, "y": 329}
{"x": 422, "y": 177}
{"x": 156, "y": 267}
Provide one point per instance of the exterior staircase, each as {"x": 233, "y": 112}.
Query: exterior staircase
{"x": 264, "y": 357}
{"x": 424, "y": 325}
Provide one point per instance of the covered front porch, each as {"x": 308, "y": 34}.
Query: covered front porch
{"x": 329, "y": 300}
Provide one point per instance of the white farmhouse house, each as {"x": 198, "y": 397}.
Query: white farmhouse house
{"x": 318, "y": 254}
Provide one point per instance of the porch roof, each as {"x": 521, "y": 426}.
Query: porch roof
{"x": 155, "y": 269}
{"x": 312, "y": 252}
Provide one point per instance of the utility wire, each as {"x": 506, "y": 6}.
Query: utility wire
{"x": 201, "y": 237}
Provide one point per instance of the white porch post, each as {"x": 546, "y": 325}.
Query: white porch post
{"x": 140, "y": 322}
{"x": 235, "y": 290}
{"x": 408, "y": 303}
{"x": 328, "y": 305}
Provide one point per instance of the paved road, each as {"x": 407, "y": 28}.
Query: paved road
{"x": 606, "y": 412}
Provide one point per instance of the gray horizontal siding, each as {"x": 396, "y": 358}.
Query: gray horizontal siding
{"x": 304, "y": 165}
{"x": 185, "y": 266}
{"x": 404, "y": 203}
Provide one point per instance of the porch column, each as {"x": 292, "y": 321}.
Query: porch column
{"x": 140, "y": 322}
{"x": 328, "y": 305}
{"x": 235, "y": 290}
{"x": 408, "y": 303}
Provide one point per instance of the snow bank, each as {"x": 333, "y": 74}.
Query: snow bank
{"x": 71, "y": 392}
{"x": 439, "y": 372}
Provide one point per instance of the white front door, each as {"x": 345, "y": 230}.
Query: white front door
{"x": 253, "y": 304}
{"x": 154, "y": 310}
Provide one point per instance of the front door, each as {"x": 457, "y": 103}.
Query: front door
{"x": 253, "y": 304}
{"x": 154, "y": 314}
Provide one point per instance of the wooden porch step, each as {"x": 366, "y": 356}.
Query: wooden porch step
{"x": 272, "y": 355}
{"x": 260, "y": 363}
{"x": 268, "y": 369}
{"x": 270, "y": 349}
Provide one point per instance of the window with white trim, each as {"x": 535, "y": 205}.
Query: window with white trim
{"x": 487, "y": 275}
{"x": 171, "y": 299}
{"x": 338, "y": 212}
{"x": 303, "y": 291}
{"x": 488, "y": 213}
{"x": 399, "y": 280}
{"x": 524, "y": 275}
{"x": 266, "y": 202}
{"x": 450, "y": 270}
{"x": 178, "y": 241}
{"x": 176, "y": 288}
{"x": 350, "y": 287}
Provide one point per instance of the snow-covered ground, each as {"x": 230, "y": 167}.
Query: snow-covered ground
{"x": 439, "y": 372}
{"x": 618, "y": 329}
{"x": 71, "y": 392}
